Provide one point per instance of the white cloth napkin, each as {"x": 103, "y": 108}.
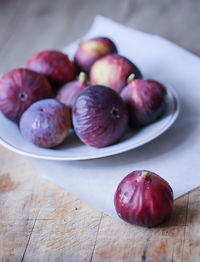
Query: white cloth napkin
{"x": 175, "y": 155}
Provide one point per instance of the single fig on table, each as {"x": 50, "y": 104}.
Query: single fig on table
{"x": 19, "y": 89}
{"x": 90, "y": 50}
{"x": 113, "y": 71}
{"x": 99, "y": 116}
{"x": 46, "y": 123}
{"x": 53, "y": 64}
{"x": 144, "y": 198}
{"x": 70, "y": 91}
{"x": 146, "y": 100}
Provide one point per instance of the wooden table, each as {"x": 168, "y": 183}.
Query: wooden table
{"x": 42, "y": 222}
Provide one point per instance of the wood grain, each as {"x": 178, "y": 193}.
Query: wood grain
{"x": 42, "y": 222}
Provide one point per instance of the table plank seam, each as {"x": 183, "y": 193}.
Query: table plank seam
{"x": 22, "y": 259}
{"x": 143, "y": 257}
{"x": 185, "y": 226}
{"x": 91, "y": 258}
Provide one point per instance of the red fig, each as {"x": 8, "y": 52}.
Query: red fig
{"x": 113, "y": 71}
{"x": 146, "y": 100}
{"x": 70, "y": 91}
{"x": 144, "y": 198}
{"x": 99, "y": 116}
{"x": 46, "y": 123}
{"x": 19, "y": 89}
{"x": 55, "y": 65}
{"x": 89, "y": 51}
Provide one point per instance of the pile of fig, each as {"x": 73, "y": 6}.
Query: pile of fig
{"x": 98, "y": 94}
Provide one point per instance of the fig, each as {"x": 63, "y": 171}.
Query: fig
{"x": 113, "y": 71}
{"x": 69, "y": 92}
{"x": 19, "y": 89}
{"x": 146, "y": 101}
{"x": 144, "y": 198}
{"x": 89, "y": 51}
{"x": 99, "y": 116}
{"x": 46, "y": 123}
{"x": 53, "y": 64}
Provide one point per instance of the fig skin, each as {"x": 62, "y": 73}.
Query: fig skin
{"x": 113, "y": 71}
{"x": 19, "y": 89}
{"x": 99, "y": 116}
{"x": 70, "y": 91}
{"x": 54, "y": 65}
{"x": 46, "y": 123}
{"x": 144, "y": 198}
{"x": 146, "y": 101}
{"x": 89, "y": 51}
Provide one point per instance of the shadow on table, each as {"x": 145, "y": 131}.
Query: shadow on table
{"x": 183, "y": 214}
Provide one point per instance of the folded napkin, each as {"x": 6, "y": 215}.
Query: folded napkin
{"x": 175, "y": 155}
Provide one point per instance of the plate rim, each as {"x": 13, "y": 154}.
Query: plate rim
{"x": 174, "y": 115}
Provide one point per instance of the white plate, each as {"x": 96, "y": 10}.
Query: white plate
{"x": 73, "y": 149}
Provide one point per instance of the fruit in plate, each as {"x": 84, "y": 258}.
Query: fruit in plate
{"x": 99, "y": 116}
{"x": 46, "y": 123}
{"x": 53, "y": 64}
{"x": 89, "y": 51}
{"x": 19, "y": 89}
{"x": 146, "y": 100}
{"x": 113, "y": 71}
{"x": 70, "y": 91}
{"x": 144, "y": 198}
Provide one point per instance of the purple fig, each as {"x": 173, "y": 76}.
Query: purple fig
{"x": 89, "y": 51}
{"x": 19, "y": 89}
{"x": 70, "y": 91}
{"x": 144, "y": 198}
{"x": 146, "y": 100}
{"x": 53, "y": 64}
{"x": 113, "y": 71}
{"x": 46, "y": 123}
{"x": 99, "y": 116}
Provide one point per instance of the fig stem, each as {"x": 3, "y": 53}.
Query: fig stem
{"x": 83, "y": 77}
{"x": 145, "y": 174}
{"x": 131, "y": 78}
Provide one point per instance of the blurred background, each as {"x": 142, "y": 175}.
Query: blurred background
{"x": 29, "y": 26}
